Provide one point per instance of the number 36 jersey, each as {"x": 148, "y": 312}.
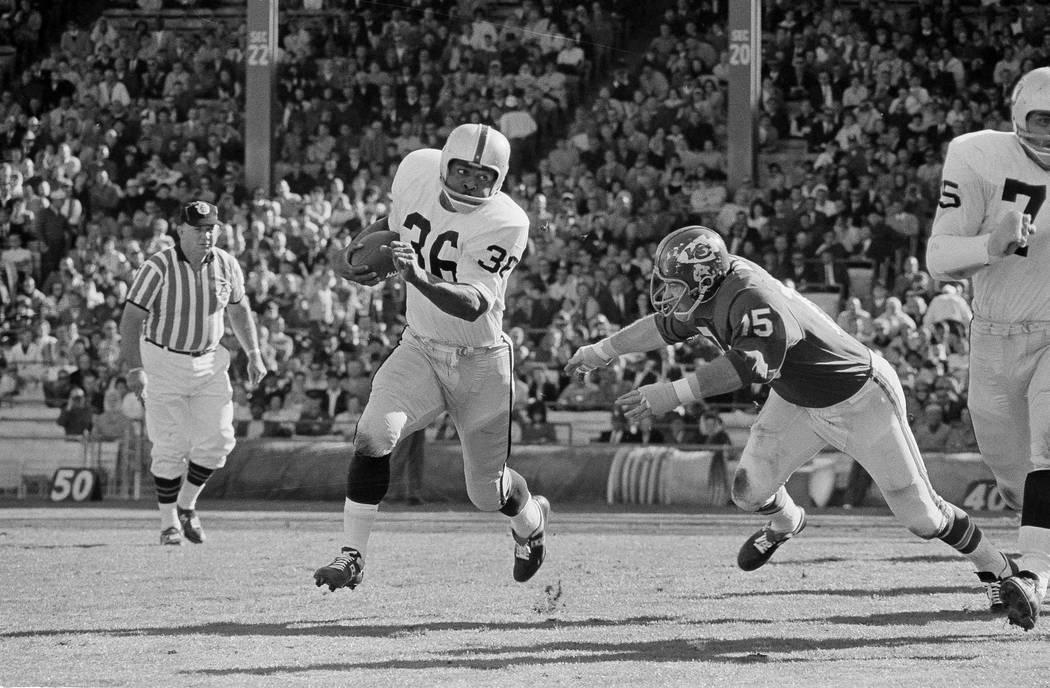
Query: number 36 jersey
{"x": 773, "y": 335}
{"x": 479, "y": 248}
{"x": 986, "y": 175}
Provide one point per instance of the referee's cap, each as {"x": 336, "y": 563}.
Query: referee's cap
{"x": 200, "y": 214}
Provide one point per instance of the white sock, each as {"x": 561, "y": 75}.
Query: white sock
{"x": 168, "y": 519}
{"x": 188, "y": 494}
{"x": 1034, "y": 543}
{"x": 529, "y": 520}
{"x": 987, "y": 558}
{"x": 357, "y": 524}
{"x": 784, "y": 514}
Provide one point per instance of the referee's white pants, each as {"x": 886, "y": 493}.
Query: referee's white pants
{"x": 189, "y": 409}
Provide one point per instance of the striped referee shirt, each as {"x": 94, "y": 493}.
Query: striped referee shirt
{"x": 186, "y": 306}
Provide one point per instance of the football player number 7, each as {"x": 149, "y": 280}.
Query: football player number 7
{"x": 1012, "y": 190}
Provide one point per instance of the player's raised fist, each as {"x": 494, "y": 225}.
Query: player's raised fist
{"x": 1011, "y": 234}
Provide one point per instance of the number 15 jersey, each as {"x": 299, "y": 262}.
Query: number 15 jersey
{"x": 479, "y": 248}
{"x": 986, "y": 175}
{"x": 775, "y": 336}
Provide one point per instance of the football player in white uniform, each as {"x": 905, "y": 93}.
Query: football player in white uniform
{"x": 993, "y": 191}
{"x": 460, "y": 237}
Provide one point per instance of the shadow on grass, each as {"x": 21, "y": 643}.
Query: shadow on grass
{"x": 340, "y": 627}
{"x": 81, "y": 546}
{"x": 864, "y": 592}
{"x": 928, "y": 559}
{"x": 918, "y": 558}
{"x": 751, "y": 650}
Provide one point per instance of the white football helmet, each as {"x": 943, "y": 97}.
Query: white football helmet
{"x": 1032, "y": 94}
{"x": 479, "y": 144}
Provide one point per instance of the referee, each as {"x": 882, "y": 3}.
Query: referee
{"x": 171, "y": 327}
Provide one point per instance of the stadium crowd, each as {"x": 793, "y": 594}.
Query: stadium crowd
{"x": 615, "y": 142}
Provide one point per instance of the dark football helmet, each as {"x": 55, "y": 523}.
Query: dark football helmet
{"x": 690, "y": 261}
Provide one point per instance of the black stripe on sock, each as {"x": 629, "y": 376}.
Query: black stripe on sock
{"x": 167, "y": 489}
{"x": 1036, "y": 508}
{"x": 197, "y": 474}
{"x": 775, "y": 505}
{"x": 962, "y": 534}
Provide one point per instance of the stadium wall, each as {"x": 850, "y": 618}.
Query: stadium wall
{"x": 615, "y": 474}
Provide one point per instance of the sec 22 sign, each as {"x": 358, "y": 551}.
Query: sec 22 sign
{"x": 75, "y": 484}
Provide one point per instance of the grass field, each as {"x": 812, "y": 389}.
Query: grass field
{"x": 642, "y": 599}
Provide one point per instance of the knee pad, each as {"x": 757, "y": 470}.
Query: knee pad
{"x": 746, "y": 495}
{"x": 368, "y": 479}
{"x": 920, "y": 512}
{"x": 515, "y": 496}
{"x": 212, "y": 462}
{"x": 376, "y": 435}
{"x": 167, "y": 467}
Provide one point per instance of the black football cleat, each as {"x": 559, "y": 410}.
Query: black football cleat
{"x": 191, "y": 525}
{"x": 993, "y": 586}
{"x": 171, "y": 536}
{"x": 346, "y": 571}
{"x": 758, "y": 548}
{"x": 530, "y": 552}
{"x": 1022, "y": 597}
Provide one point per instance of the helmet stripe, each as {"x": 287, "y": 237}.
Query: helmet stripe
{"x": 482, "y": 138}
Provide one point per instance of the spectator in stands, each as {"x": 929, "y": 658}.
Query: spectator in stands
{"x": 913, "y": 279}
{"x": 278, "y": 420}
{"x": 894, "y": 317}
{"x": 931, "y": 433}
{"x": 111, "y": 424}
{"x": 643, "y": 432}
{"x": 537, "y": 430}
{"x": 961, "y": 437}
{"x": 680, "y": 432}
{"x": 25, "y": 359}
{"x": 712, "y": 429}
{"x": 949, "y": 306}
{"x": 77, "y": 415}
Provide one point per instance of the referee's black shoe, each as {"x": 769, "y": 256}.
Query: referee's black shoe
{"x": 346, "y": 571}
{"x": 191, "y": 525}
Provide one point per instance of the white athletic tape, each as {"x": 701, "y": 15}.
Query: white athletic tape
{"x": 684, "y": 390}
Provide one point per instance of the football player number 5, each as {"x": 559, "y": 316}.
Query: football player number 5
{"x": 758, "y": 322}
{"x": 1013, "y": 189}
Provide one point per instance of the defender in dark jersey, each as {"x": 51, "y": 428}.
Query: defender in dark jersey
{"x": 826, "y": 389}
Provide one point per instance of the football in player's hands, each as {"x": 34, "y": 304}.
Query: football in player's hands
{"x": 373, "y": 252}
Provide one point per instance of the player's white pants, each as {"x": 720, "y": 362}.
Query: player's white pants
{"x": 422, "y": 378}
{"x": 871, "y": 426}
{"x": 189, "y": 409}
{"x": 1009, "y": 400}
